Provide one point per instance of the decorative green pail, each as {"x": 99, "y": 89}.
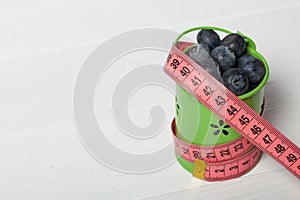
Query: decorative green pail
{"x": 196, "y": 124}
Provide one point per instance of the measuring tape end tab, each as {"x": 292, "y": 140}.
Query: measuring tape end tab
{"x": 199, "y": 169}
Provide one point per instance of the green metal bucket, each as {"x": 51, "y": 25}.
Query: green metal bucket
{"x": 196, "y": 124}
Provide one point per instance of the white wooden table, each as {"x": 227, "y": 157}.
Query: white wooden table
{"x": 42, "y": 48}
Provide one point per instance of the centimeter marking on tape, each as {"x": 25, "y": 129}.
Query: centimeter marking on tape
{"x": 213, "y": 95}
{"x": 220, "y": 162}
{"x": 216, "y": 153}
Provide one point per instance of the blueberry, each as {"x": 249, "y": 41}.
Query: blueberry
{"x": 198, "y": 52}
{"x": 252, "y": 86}
{"x": 244, "y": 59}
{"x": 206, "y": 47}
{"x": 195, "y": 48}
{"x": 201, "y": 56}
{"x": 235, "y": 81}
{"x": 208, "y": 37}
{"x": 235, "y": 42}
{"x": 224, "y": 56}
{"x": 252, "y": 67}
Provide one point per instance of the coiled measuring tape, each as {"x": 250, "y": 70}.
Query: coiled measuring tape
{"x": 219, "y": 100}
{"x": 220, "y": 162}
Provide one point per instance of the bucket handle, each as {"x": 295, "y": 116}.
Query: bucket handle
{"x": 250, "y": 43}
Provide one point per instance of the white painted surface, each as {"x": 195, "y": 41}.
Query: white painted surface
{"x": 42, "y": 47}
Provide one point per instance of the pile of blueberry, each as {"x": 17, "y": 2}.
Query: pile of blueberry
{"x": 227, "y": 61}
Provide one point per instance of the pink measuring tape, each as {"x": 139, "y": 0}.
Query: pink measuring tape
{"x": 220, "y": 162}
{"x": 229, "y": 160}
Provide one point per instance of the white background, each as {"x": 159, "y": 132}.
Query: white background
{"x": 42, "y": 47}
